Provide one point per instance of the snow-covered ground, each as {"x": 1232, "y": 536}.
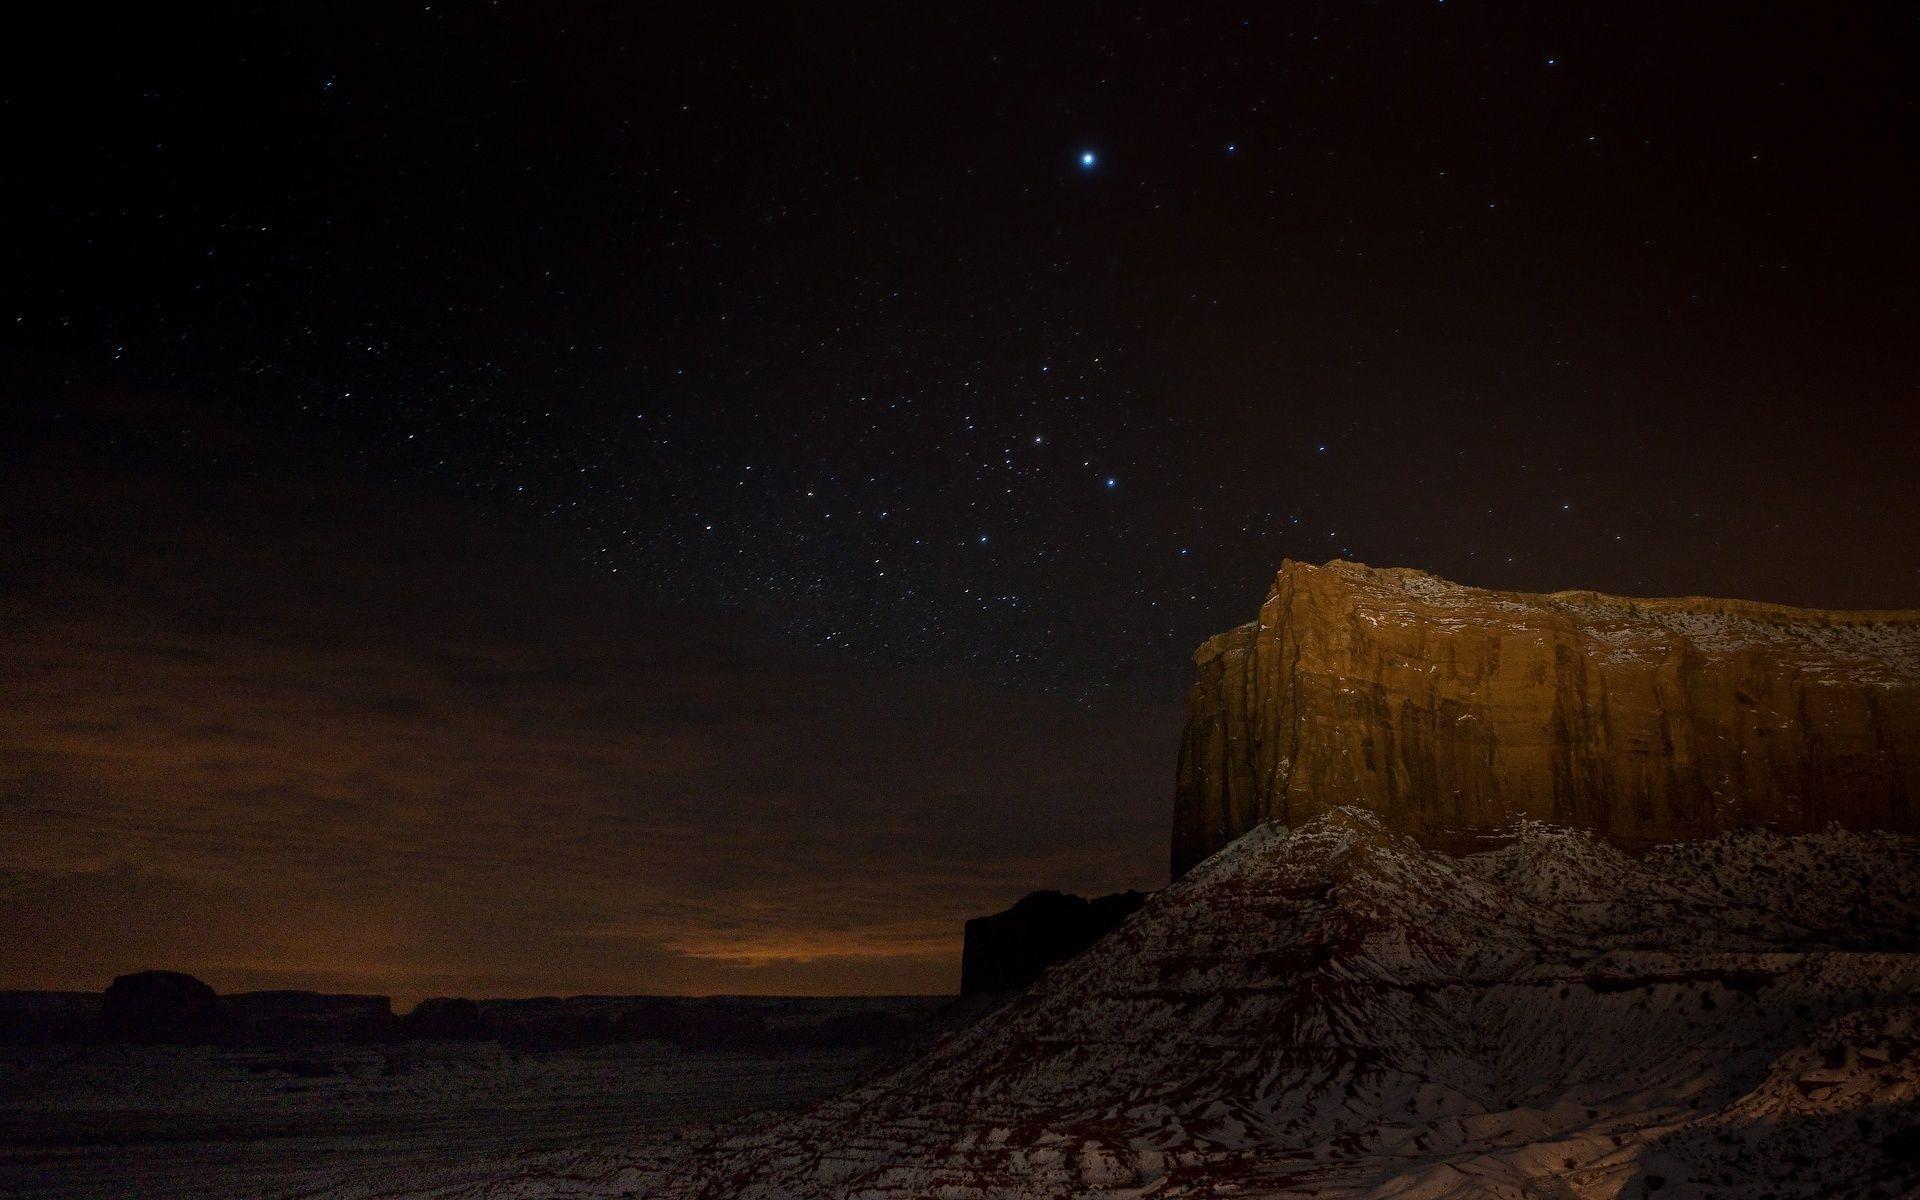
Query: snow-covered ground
{"x": 1327, "y": 1011}
{"x": 1336, "y": 1011}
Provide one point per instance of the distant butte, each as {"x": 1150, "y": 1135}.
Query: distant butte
{"x": 1009, "y": 950}
{"x": 1453, "y": 711}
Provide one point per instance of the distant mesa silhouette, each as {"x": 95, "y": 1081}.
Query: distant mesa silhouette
{"x": 1007, "y": 951}
{"x": 155, "y": 1007}
{"x": 46, "y": 1018}
{"x": 174, "y": 1008}
{"x": 306, "y": 1018}
{"x": 445, "y": 1018}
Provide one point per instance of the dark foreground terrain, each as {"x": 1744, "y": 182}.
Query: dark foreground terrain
{"x": 104, "y": 1120}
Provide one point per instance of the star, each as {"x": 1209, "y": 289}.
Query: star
{"x": 1087, "y": 159}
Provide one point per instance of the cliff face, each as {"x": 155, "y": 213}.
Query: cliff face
{"x": 1452, "y": 711}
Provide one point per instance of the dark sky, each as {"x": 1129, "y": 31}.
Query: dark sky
{"x": 532, "y": 498}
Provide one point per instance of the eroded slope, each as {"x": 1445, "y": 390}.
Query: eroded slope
{"x": 1341, "y": 1007}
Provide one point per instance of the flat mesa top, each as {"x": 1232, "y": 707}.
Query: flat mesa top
{"x": 1879, "y": 647}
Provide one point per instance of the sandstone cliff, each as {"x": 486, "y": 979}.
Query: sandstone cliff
{"x": 1452, "y": 711}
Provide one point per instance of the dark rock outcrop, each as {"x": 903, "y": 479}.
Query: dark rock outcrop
{"x": 1009, "y": 950}
{"x": 152, "y": 1007}
{"x": 1451, "y": 711}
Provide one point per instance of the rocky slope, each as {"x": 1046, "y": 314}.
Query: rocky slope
{"x": 1451, "y": 710}
{"x": 1338, "y": 1010}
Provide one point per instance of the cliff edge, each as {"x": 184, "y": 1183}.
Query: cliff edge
{"x": 1451, "y": 711}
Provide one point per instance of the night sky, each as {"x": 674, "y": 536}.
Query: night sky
{"x": 531, "y": 498}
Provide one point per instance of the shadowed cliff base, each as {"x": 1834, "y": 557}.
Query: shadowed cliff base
{"x": 1452, "y": 711}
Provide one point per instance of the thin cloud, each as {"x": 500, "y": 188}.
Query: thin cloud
{"x": 345, "y": 761}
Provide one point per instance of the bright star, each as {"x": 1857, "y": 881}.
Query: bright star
{"x": 1087, "y": 159}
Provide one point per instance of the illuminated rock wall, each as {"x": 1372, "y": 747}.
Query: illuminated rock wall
{"x": 1452, "y": 711}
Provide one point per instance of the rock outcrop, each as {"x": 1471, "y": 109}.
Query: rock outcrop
{"x": 1451, "y": 711}
{"x": 1009, "y": 950}
{"x": 1339, "y": 1010}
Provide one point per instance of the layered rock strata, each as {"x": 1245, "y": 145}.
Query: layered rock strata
{"x": 1452, "y": 711}
{"x": 1338, "y": 1010}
